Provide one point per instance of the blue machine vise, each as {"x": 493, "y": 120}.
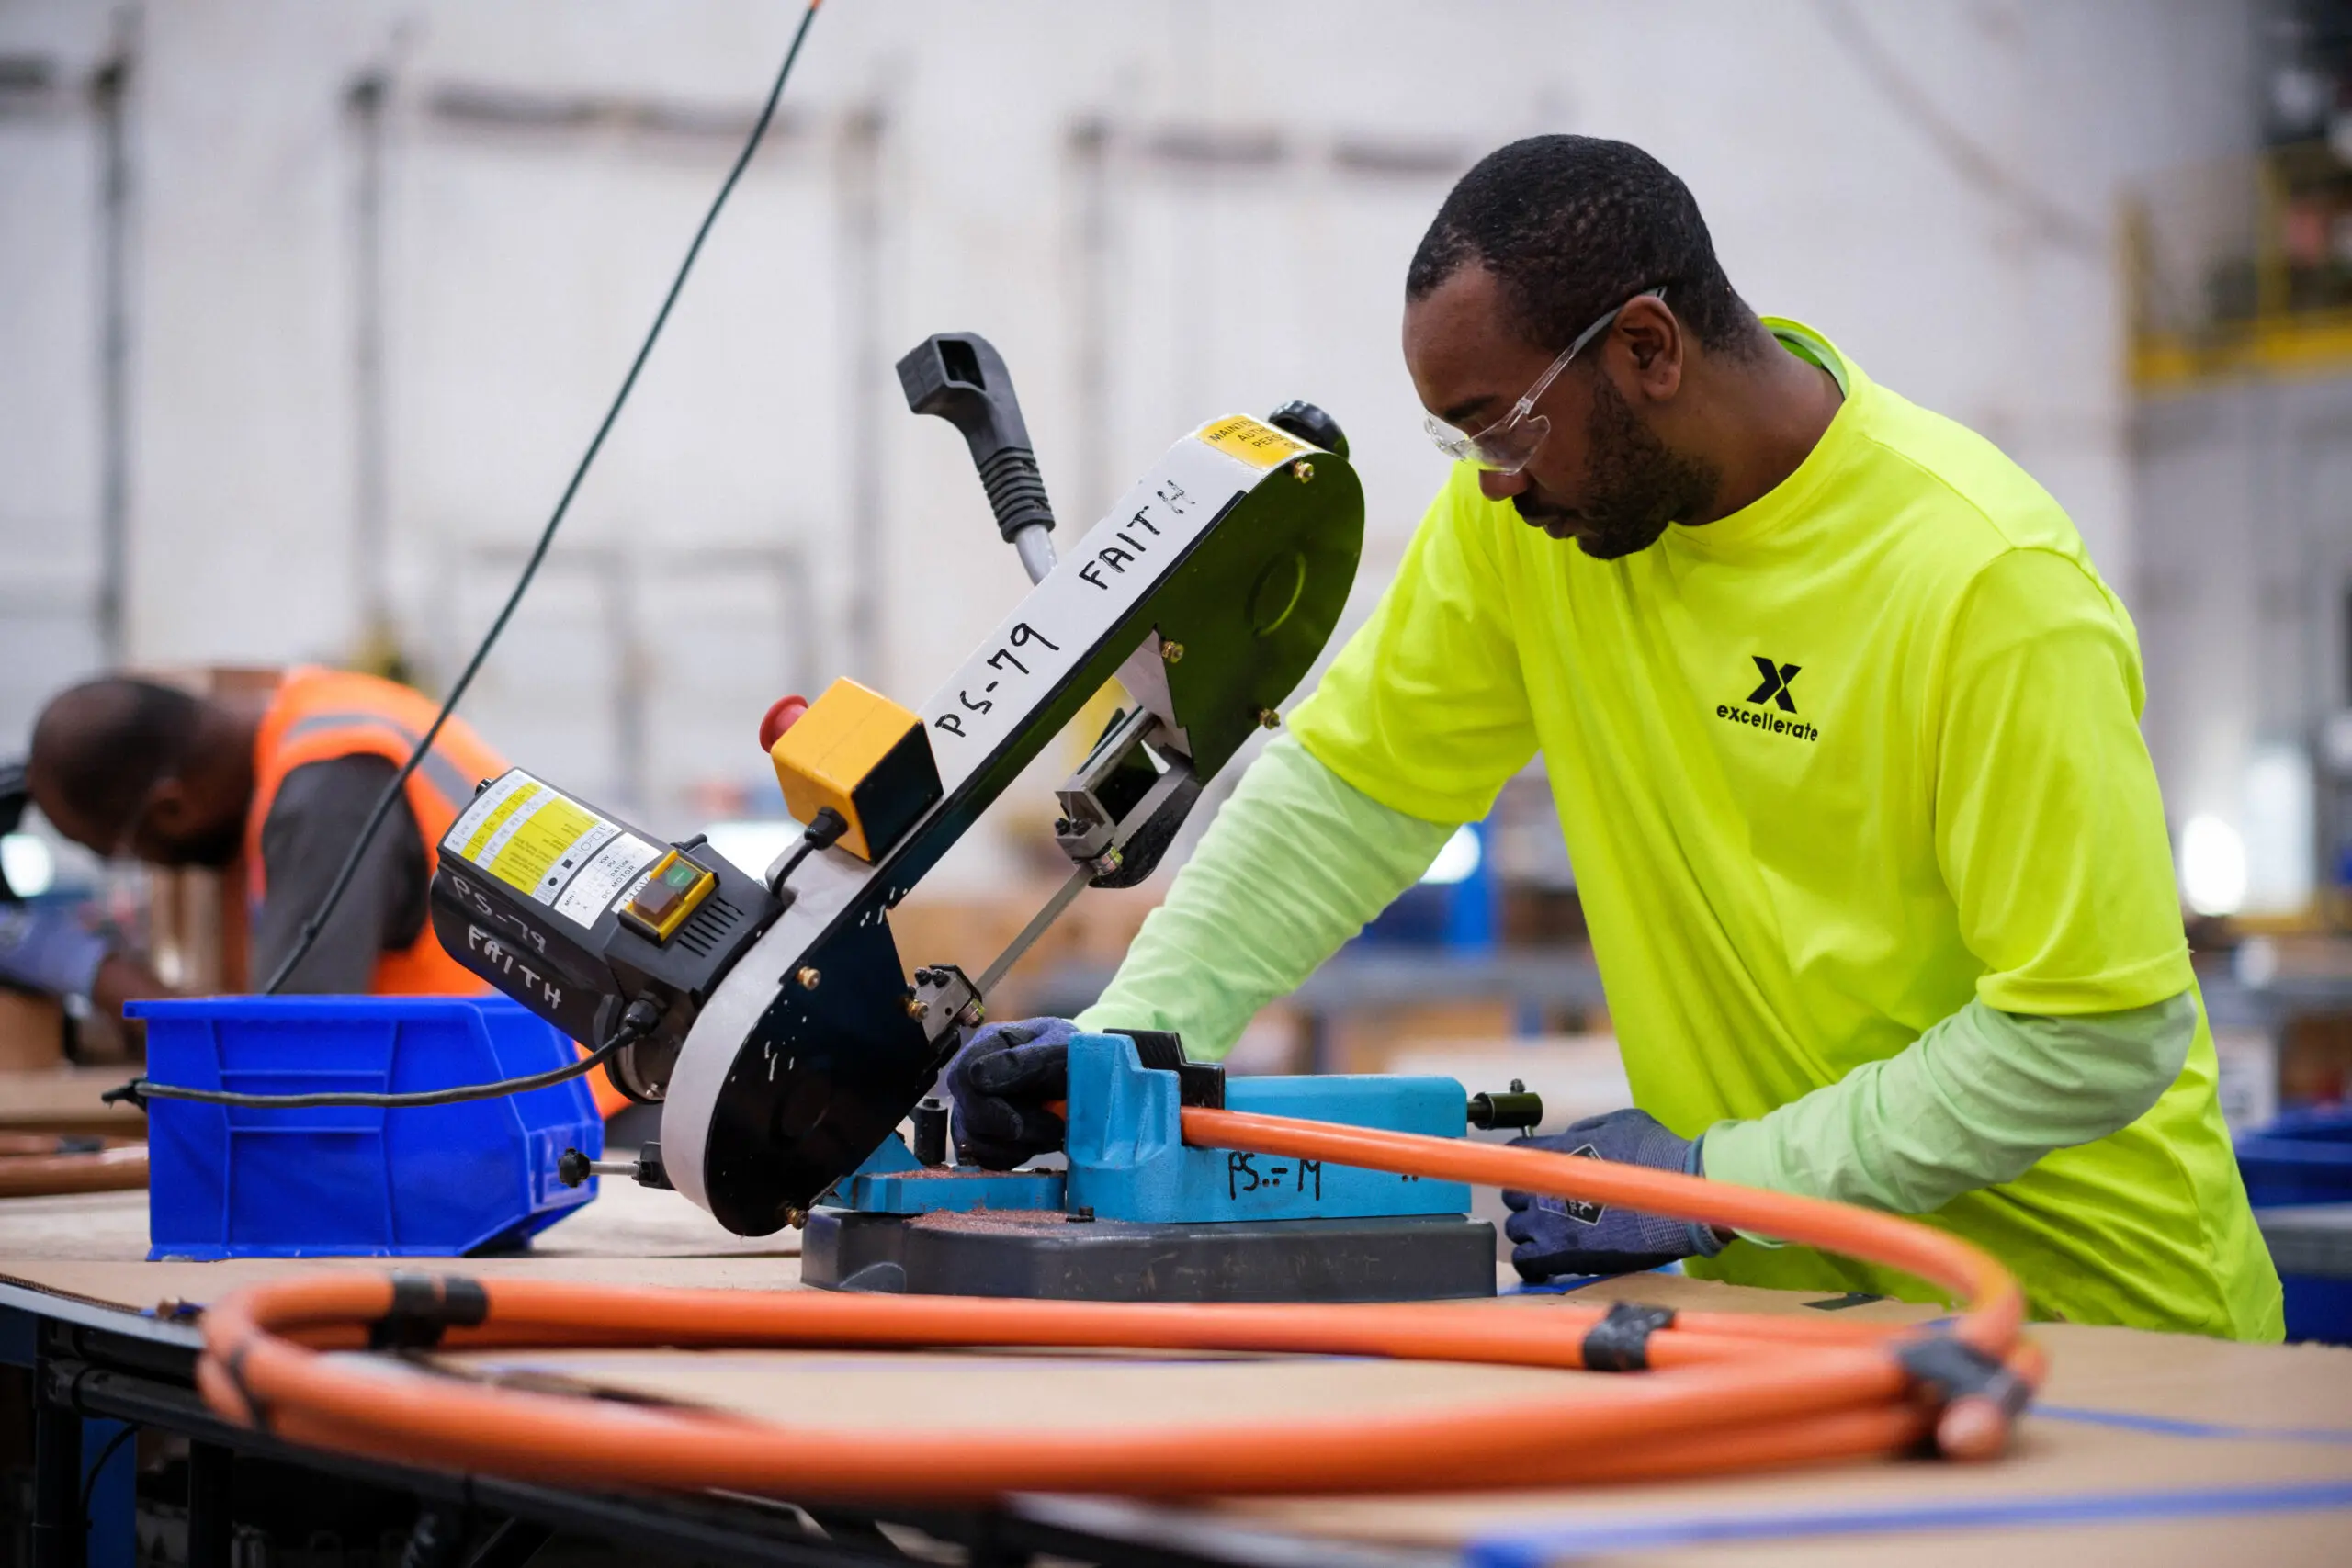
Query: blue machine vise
{"x": 1137, "y": 1214}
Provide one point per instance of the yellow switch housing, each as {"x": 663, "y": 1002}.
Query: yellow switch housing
{"x": 863, "y": 755}
{"x": 673, "y": 890}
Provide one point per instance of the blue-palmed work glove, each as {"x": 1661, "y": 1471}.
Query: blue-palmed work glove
{"x": 1001, "y": 1082}
{"x": 49, "y": 950}
{"x": 1556, "y": 1235}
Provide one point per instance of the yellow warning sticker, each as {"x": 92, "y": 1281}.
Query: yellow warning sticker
{"x": 548, "y": 846}
{"x": 512, "y": 794}
{"x": 542, "y": 833}
{"x": 1259, "y": 444}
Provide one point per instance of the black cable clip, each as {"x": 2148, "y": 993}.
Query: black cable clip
{"x": 424, "y": 1307}
{"x": 232, "y": 1367}
{"x": 1947, "y": 1369}
{"x": 1620, "y": 1342}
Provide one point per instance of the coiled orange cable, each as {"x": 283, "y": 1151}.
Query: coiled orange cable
{"x": 1726, "y": 1391}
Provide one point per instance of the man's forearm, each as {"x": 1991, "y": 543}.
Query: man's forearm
{"x": 1972, "y": 1102}
{"x": 1295, "y": 862}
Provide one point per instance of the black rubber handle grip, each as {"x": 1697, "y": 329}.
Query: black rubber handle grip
{"x": 962, "y": 378}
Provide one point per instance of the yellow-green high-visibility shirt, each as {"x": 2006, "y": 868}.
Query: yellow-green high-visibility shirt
{"x": 1819, "y": 795}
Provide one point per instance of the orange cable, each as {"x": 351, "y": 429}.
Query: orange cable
{"x": 1726, "y": 1391}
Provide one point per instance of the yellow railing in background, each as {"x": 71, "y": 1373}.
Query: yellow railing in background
{"x": 2241, "y": 269}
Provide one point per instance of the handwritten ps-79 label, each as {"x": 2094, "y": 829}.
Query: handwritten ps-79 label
{"x": 1096, "y": 585}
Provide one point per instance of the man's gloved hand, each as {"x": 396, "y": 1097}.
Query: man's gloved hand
{"x": 49, "y": 950}
{"x": 1000, "y": 1083}
{"x": 1556, "y": 1237}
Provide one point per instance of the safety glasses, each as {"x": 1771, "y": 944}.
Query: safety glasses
{"x": 1508, "y": 445}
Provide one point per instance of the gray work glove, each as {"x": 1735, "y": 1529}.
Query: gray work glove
{"x": 50, "y": 949}
{"x": 1559, "y": 1236}
{"x": 1001, "y": 1082}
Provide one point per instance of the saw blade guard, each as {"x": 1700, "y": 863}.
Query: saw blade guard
{"x": 1209, "y": 590}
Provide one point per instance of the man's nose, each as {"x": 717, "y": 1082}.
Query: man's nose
{"x": 1497, "y": 486}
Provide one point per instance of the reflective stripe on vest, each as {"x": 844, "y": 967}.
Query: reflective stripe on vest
{"x": 439, "y": 770}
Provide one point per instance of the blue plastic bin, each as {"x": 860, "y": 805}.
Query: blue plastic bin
{"x": 439, "y": 1180}
{"x": 2305, "y": 1156}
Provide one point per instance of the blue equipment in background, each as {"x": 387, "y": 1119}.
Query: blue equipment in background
{"x": 1458, "y": 905}
{"x": 439, "y": 1180}
{"x": 2298, "y": 1173}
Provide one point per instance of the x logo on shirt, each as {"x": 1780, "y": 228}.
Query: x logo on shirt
{"x": 1777, "y": 678}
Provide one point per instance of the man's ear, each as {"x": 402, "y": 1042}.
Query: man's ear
{"x": 1651, "y": 342}
{"x": 170, "y": 805}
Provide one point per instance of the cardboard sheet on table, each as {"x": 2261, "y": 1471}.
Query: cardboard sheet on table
{"x": 2126, "y": 1416}
{"x": 2153, "y": 1416}
{"x": 66, "y": 1101}
{"x": 625, "y": 1225}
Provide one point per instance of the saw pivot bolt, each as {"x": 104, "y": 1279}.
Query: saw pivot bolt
{"x": 1173, "y": 652}
{"x": 808, "y": 976}
{"x": 574, "y": 1169}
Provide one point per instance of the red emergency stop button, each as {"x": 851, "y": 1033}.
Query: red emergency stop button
{"x": 781, "y": 717}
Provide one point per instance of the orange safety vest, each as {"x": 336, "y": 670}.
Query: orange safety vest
{"x": 319, "y": 714}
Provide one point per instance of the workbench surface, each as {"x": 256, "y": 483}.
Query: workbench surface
{"x": 2143, "y": 1447}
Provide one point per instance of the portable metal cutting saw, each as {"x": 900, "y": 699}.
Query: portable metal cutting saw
{"x": 791, "y": 1042}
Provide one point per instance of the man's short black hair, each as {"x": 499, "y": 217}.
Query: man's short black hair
{"x": 105, "y": 743}
{"x": 1573, "y": 227}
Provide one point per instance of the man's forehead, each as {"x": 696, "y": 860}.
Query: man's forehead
{"x": 75, "y": 824}
{"x": 1466, "y": 361}
{"x": 65, "y": 814}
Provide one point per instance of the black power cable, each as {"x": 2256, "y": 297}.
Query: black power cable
{"x": 822, "y": 833}
{"x": 636, "y": 1024}
{"x": 547, "y": 537}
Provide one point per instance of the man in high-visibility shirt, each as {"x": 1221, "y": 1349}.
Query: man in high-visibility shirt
{"x": 287, "y": 778}
{"x": 1843, "y": 728}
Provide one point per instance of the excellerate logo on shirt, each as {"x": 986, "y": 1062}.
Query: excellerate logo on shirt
{"x": 1773, "y": 698}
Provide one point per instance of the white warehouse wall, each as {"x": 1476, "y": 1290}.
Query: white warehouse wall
{"x": 1932, "y": 184}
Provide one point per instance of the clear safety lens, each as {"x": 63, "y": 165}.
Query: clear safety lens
{"x": 1506, "y": 446}
{"x": 1504, "y": 449}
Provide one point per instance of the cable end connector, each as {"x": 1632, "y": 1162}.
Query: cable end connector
{"x": 822, "y": 833}
{"x": 132, "y": 1093}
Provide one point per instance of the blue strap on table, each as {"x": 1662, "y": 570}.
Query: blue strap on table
{"x": 1537, "y": 1546}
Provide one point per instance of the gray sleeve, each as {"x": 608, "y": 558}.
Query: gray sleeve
{"x": 319, "y": 811}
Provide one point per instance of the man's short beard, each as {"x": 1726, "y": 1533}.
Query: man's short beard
{"x": 217, "y": 847}
{"x": 1637, "y": 485}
